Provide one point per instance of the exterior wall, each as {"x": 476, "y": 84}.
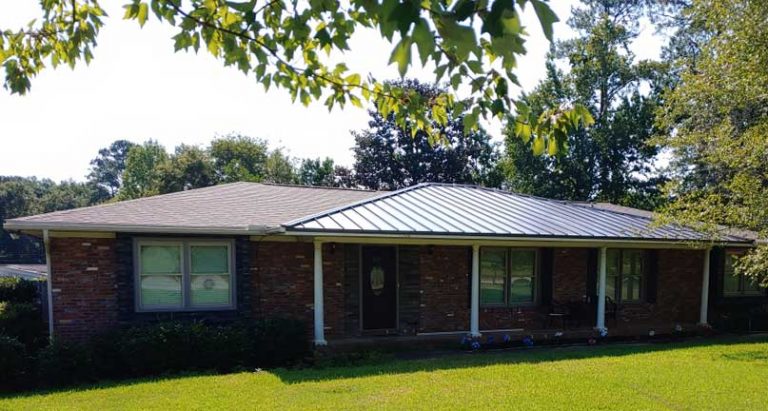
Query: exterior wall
{"x": 569, "y": 274}
{"x": 283, "y": 276}
{"x": 93, "y": 288}
{"x": 445, "y": 302}
{"x": 569, "y": 283}
{"x": 84, "y": 286}
{"x": 126, "y": 287}
{"x": 678, "y": 296}
{"x": 743, "y": 313}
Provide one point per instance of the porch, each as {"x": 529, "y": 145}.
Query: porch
{"x": 627, "y": 332}
{"x": 437, "y": 292}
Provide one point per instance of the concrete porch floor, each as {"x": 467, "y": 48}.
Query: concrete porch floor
{"x": 550, "y": 336}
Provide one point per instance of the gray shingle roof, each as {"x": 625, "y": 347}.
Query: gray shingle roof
{"x": 223, "y": 208}
{"x": 442, "y": 209}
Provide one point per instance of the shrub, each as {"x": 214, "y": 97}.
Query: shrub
{"x": 23, "y": 321}
{"x": 171, "y": 347}
{"x": 195, "y": 346}
{"x": 157, "y": 349}
{"x": 279, "y": 342}
{"x": 18, "y": 290}
{"x": 64, "y": 363}
{"x": 14, "y": 364}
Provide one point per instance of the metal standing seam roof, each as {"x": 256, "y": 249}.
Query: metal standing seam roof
{"x": 462, "y": 210}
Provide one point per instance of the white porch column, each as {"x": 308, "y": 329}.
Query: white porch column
{"x": 601, "y": 277}
{"x": 319, "y": 316}
{"x": 49, "y": 275}
{"x": 705, "y": 289}
{"x": 474, "y": 323}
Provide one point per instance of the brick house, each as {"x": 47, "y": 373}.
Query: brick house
{"x": 429, "y": 260}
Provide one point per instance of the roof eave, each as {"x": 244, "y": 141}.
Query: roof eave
{"x": 521, "y": 238}
{"x": 20, "y": 225}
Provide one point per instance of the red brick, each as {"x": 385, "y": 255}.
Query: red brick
{"x": 84, "y": 287}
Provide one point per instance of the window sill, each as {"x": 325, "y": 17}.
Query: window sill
{"x": 184, "y": 310}
{"x": 511, "y": 307}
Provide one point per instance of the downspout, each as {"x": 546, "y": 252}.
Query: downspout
{"x": 47, "y": 245}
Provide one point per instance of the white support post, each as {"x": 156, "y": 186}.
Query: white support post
{"x": 601, "y": 278}
{"x": 705, "y": 289}
{"x": 49, "y": 277}
{"x": 475, "y": 313}
{"x": 319, "y": 316}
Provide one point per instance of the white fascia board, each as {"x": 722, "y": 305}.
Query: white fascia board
{"x": 425, "y": 239}
{"x": 153, "y": 229}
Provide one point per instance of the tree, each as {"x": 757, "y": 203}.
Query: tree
{"x": 389, "y": 157}
{"x": 239, "y": 158}
{"x": 107, "y": 168}
{"x": 612, "y": 160}
{"x": 716, "y": 124}
{"x": 143, "y": 173}
{"x": 21, "y": 196}
{"x": 279, "y": 168}
{"x": 293, "y": 47}
{"x": 189, "y": 167}
{"x": 313, "y": 172}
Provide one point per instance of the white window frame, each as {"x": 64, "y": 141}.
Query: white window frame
{"x": 186, "y": 274}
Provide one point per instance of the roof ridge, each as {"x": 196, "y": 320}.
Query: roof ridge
{"x": 321, "y": 187}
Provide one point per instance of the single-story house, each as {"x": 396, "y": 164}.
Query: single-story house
{"x": 427, "y": 260}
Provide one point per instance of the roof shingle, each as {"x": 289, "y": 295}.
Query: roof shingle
{"x": 236, "y": 207}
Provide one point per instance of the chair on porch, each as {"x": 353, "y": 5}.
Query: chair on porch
{"x": 585, "y": 312}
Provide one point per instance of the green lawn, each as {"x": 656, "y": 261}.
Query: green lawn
{"x": 712, "y": 374}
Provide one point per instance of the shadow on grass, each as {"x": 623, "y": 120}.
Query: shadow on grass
{"x": 534, "y": 355}
{"x": 387, "y": 365}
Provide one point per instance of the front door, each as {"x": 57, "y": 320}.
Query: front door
{"x": 379, "y": 287}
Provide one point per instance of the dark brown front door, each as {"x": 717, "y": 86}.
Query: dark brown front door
{"x": 379, "y": 287}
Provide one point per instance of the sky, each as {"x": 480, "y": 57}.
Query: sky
{"x": 137, "y": 88}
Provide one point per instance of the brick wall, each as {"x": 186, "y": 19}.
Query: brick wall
{"x": 445, "y": 288}
{"x": 284, "y": 283}
{"x": 569, "y": 274}
{"x": 84, "y": 287}
{"x": 569, "y": 277}
{"x": 93, "y": 287}
{"x": 126, "y": 287}
{"x": 678, "y": 296}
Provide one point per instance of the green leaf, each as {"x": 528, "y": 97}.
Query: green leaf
{"x": 459, "y": 38}
{"x": 242, "y": 7}
{"x": 142, "y": 14}
{"x": 523, "y": 130}
{"x": 402, "y": 55}
{"x": 464, "y": 9}
{"x": 353, "y": 79}
{"x": 424, "y": 39}
{"x": 405, "y": 14}
{"x": 546, "y": 16}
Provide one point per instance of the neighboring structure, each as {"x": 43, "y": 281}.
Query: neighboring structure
{"x": 432, "y": 259}
{"x": 25, "y": 271}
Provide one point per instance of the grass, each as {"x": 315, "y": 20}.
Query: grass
{"x": 710, "y": 374}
